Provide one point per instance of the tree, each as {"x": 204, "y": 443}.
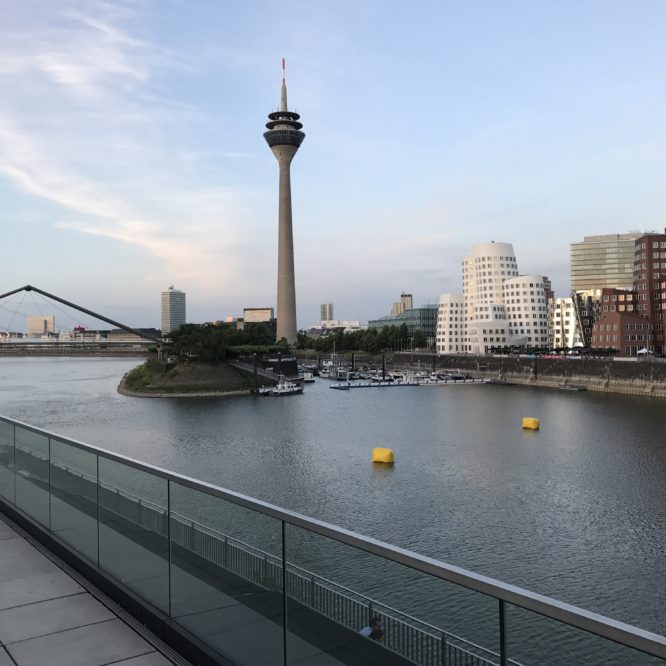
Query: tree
{"x": 419, "y": 340}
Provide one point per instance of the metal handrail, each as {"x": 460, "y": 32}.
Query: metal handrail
{"x": 588, "y": 621}
{"x": 331, "y": 584}
{"x": 461, "y": 645}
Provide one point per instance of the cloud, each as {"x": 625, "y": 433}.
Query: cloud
{"x": 89, "y": 129}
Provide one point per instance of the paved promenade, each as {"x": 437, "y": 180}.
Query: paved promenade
{"x": 48, "y": 619}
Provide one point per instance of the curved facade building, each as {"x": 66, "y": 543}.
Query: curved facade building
{"x": 484, "y": 273}
{"x": 498, "y": 308}
{"x": 527, "y": 310}
{"x": 450, "y": 324}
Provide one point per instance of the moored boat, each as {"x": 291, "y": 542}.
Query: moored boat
{"x": 283, "y": 387}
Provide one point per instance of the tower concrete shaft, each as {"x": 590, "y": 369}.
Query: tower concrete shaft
{"x": 284, "y": 138}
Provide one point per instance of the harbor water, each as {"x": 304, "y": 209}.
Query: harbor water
{"x": 576, "y": 510}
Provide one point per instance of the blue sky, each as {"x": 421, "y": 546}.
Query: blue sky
{"x": 132, "y": 156}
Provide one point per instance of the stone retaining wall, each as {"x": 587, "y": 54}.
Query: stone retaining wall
{"x": 641, "y": 377}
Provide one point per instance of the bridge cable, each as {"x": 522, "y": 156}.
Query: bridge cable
{"x": 63, "y": 312}
{"x": 39, "y": 312}
{"x": 15, "y": 312}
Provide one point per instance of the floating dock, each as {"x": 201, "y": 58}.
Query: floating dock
{"x": 345, "y": 386}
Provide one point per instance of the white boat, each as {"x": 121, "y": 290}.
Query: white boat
{"x": 333, "y": 367}
{"x": 283, "y": 387}
{"x": 308, "y": 377}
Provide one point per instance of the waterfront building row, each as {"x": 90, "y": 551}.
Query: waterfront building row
{"x": 498, "y": 306}
{"x": 621, "y": 307}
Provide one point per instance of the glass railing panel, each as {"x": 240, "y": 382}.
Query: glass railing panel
{"x": 133, "y": 541}
{"x": 74, "y": 497}
{"x": 226, "y": 576}
{"x": 32, "y": 474}
{"x": 7, "y": 461}
{"x": 535, "y": 639}
{"x": 334, "y": 590}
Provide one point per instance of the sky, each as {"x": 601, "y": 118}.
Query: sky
{"x": 132, "y": 156}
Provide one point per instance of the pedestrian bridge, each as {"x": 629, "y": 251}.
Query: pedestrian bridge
{"x": 223, "y": 578}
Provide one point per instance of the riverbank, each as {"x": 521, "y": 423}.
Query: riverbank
{"x": 155, "y": 379}
{"x": 644, "y": 377}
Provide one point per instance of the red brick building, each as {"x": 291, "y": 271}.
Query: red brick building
{"x": 649, "y": 281}
{"x": 628, "y": 332}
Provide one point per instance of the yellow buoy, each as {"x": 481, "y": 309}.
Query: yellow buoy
{"x": 530, "y": 423}
{"x": 382, "y": 455}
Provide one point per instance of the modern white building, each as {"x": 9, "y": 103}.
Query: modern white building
{"x": 484, "y": 273}
{"x": 173, "y": 310}
{"x": 498, "y": 308}
{"x": 527, "y": 310}
{"x": 450, "y": 324}
{"x": 563, "y": 324}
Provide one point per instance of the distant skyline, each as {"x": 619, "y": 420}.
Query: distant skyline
{"x": 132, "y": 156}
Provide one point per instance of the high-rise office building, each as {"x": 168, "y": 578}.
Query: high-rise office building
{"x": 284, "y": 138}
{"x": 603, "y": 262}
{"x": 326, "y": 312}
{"x": 405, "y": 303}
{"x": 39, "y": 325}
{"x": 173, "y": 310}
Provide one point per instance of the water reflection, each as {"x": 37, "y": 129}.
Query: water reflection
{"x": 576, "y": 510}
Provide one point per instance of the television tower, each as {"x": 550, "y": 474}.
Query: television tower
{"x": 284, "y": 138}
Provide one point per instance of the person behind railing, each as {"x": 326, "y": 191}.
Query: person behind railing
{"x": 377, "y": 634}
{"x": 374, "y": 630}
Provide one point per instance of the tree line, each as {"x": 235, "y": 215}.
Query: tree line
{"x": 216, "y": 342}
{"x": 371, "y": 340}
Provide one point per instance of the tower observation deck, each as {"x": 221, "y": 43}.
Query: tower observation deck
{"x": 284, "y": 137}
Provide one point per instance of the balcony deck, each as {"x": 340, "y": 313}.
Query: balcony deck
{"x": 46, "y": 617}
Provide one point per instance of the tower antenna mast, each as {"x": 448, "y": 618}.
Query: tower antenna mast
{"x": 284, "y": 138}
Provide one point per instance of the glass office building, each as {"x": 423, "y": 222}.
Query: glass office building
{"x": 423, "y": 319}
{"x": 603, "y": 262}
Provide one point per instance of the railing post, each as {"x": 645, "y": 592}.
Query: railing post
{"x": 50, "y": 485}
{"x": 312, "y": 591}
{"x": 442, "y": 648}
{"x": 502, "y": 628}
{"x": 225, "y": 553}
{"x": 97, "y": 502}
{"x": 284, "y": 593}
{"x": 168, "y": 531}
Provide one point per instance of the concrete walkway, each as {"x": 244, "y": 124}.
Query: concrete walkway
{"x": 48, "y": 619}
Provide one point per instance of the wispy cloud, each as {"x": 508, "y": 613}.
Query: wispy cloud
{"x": 85, "y": 129}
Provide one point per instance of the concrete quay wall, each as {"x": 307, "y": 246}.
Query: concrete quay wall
{"x": 640, "y": 377}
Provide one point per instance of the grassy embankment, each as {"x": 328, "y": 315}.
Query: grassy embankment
{"x": 152, "y": 377}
